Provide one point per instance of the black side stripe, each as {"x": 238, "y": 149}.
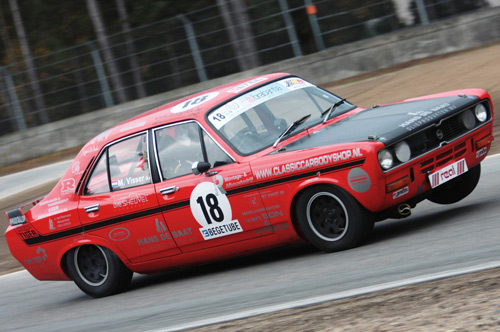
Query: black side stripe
{"x": 108, "y": 222}
{"x": 297, "y": 177}
{"x": 54, "y": 236}
{"x": 126, "y": 217}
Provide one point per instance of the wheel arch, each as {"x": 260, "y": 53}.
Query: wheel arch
{"x": 89, "y": 240}
{"x": 306, "y": 185}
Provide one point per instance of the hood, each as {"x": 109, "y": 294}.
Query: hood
{"x": 387, "y": 123}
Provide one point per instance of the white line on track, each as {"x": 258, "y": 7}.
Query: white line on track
{"x": 331, "y": 297}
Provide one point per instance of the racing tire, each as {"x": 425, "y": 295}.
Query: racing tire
{"x": 97, "y": 271}
{"x": 456, "y": 189}
{"x": 331, "y": 219}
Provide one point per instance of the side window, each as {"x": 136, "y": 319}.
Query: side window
{"x": 178, "y": 147}
{"x": 123, "y": 165}
{"x": 128, "y": 163}
{"x": 98, "y": 182}
{"x": 216, "y": 156}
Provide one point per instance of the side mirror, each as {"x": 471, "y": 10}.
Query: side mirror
{"x": 200, "y": 167}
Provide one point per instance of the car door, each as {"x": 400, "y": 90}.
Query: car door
{"x": 210, "y": 209}
{"x": 119, "y": 203}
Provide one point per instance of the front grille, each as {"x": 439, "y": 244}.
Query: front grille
{"x": 438, "y": 135}
{"x": 432, "y": 137}
{"x": 430, "y": 164}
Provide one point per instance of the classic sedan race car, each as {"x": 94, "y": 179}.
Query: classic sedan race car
{"x": 247, "y": 166}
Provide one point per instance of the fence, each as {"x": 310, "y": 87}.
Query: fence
{"x": 194, "y": 47}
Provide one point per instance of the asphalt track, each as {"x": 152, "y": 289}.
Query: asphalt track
{"x": 18, "y": 182}
{"x": 436, "y": 241}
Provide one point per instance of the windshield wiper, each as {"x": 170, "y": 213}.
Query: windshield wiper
{"x": 331, "y": 109}
{"x": 291, "y": 128}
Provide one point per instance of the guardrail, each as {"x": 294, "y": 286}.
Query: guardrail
{"x": 216, "y": 41}
{"x": 459, "y": 33}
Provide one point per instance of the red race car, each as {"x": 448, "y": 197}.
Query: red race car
{"x": 247, "y": 166}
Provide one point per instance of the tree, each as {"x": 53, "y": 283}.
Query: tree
{"x": 134, "y": 64}
{"x": 30, "y": 66}
{"x": 240, "y": 33}
{"x": 97, "y": 22}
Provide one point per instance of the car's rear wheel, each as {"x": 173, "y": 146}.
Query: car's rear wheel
{"x": 456, "y": 189}
{"x": 331, "y": 219}
{"x": 97, "y": 271}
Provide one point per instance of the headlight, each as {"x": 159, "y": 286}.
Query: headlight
{"x": 468, "y": 119}
{"x": 402, "y": 151}
{"x": 385, "y": 159}
{"x": 481, "y": 112}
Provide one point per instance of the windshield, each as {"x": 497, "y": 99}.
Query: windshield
{"x": 255, "y": 120}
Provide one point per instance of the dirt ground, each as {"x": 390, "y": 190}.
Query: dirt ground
{"x": 466, "y": 303}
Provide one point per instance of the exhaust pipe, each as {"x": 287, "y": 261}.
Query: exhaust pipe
{"x": 404, "y": 210}
{"x": 400, "y": 211}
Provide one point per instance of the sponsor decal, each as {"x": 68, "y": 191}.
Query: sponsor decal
{"x": 448, "y": 173}
{"x": 265, "y": 93}
{"x": 272, "y": 194}
{"x": 26, "y": 232}
{"x": 102, "y": 136}
{"x": 159, "y": 119}
{"x": 237, "y": 180}
{"x": 295, "y": 83}
{"x": 193, "y": 102}
{"x": 219, "y": 182}
{"x": 68, "y": 185}
{"x": 267, "y": 215}
{"x": 75, "y": 167}
{"x": 40, "y": 258}
{"x": 420, "y": 188}
{"x": 227, "y": 112}
{"x": 60, "y": 221}
{"x": 481, "y": 152}
{"x": 212, "y": 210}
{"x": 131, "y": 200}
{"x": 49, "y": 201}
{"x": 269, "y": 228}
{"x": 424, "y": 117}
{"x": 359, "y": 180}
{"x": 253, "y": 98}
{"x": 247, "y": 84}
{"x": 161, "y": 240}
{"x": 119, "y": 234}
{"x": 401, "y": 192}
{"x": 308, "y": 163}
{"x": 274, "y": 207}
{"x": 90, "y": 149}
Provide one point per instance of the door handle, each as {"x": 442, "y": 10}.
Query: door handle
{"x": 169, "y": 190}
{"x": 92, "y": 208}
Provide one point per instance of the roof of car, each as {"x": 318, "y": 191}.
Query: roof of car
{"x": 190, "y": 107}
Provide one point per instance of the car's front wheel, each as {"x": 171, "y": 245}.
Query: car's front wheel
{"x": 331, "y": 219}
{"x": 97, "y": 271}
{"x": 456, "y": 189}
